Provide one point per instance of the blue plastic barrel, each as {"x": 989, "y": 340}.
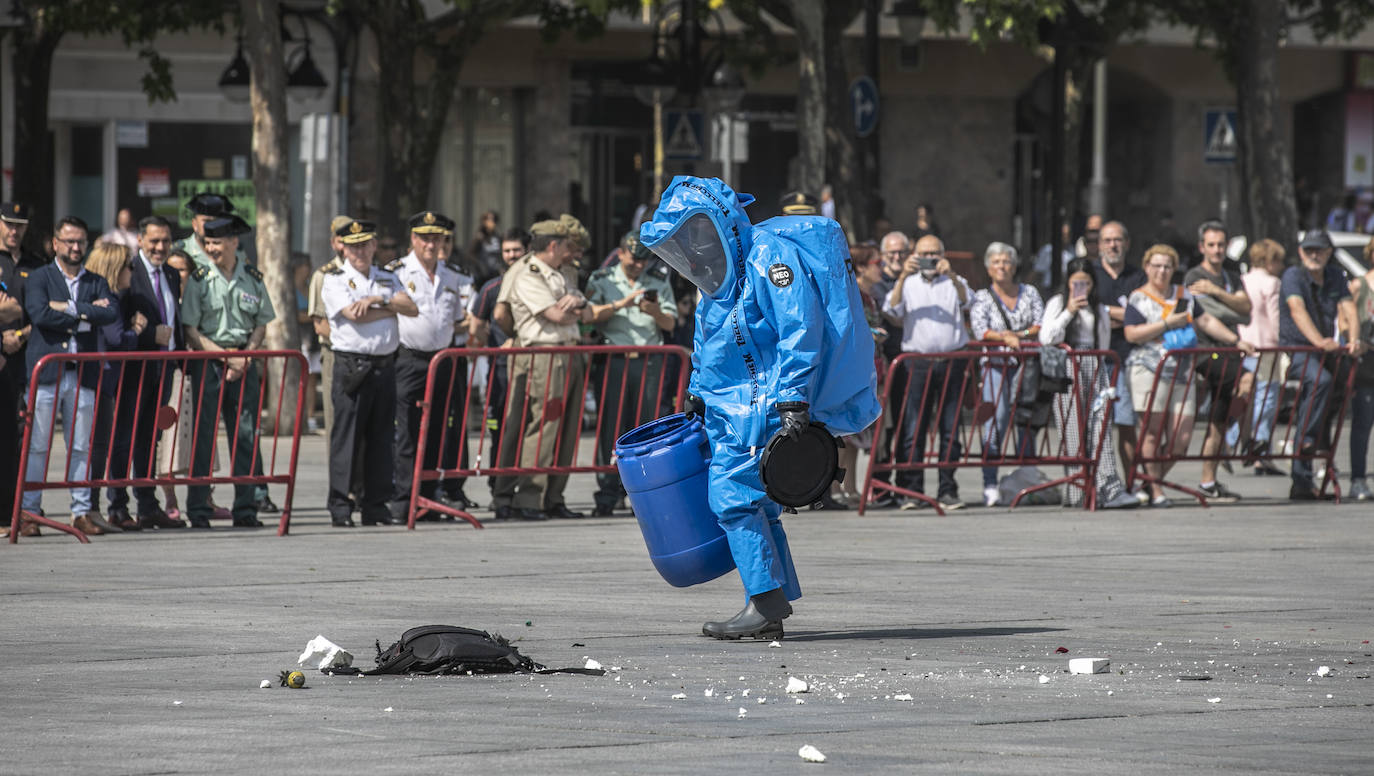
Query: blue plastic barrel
{"x": 663, "y": 467}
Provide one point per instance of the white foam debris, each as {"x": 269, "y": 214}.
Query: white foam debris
{"x": 265, "y": 684}
{"x": 775, "y": 645}
{"x": 1044, "y": 679}
{"x": 327, "y": 653}
{"x": 811, "y": 754}
{"x": 592, "y": 665}
{"x": 709, "y": 692}
{"x": 795, "y": 685}
{"x": 1214, "y": 700}
{"x": 906, "y": 696}
{"x": 388, "y": 709}
{"x": 1089, "y": 665}
{"x": 680, "y": 696}
{"x": 742, "y": 711}
{"x": 1324, "y": 671}
{"x": 746, "y": 692}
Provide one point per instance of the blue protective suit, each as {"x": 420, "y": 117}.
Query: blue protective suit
{"x": 781, "y": 320}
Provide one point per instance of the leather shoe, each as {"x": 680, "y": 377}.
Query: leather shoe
{"x": 102, "y": 523}
{"x": 84, "y": 524}
{"x": 561, "y": 512}
{"x": 459, "y": 501}
{"x": 247, "y": 522}
{"x": 603, "y": 510}
{"x": 525, "y": 513}
{"x": 160, "y": 519}
{"x": 266, "y": 506}
{"x": 342, "y": 522}
{"x": 384, "y": 519}
{"x": 761, "y": 618}
{"x": 29, "y": 528}
{"x": 199, "y": 522}
{"x": 119, "y": 516}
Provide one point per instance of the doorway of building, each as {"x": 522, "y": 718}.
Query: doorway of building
{"x": 608, "y": 184}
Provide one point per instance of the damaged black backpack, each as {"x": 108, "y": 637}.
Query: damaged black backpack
{"x": 448, "y": 649}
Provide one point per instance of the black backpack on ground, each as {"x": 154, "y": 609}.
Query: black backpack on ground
{"x": 448, "y": 649}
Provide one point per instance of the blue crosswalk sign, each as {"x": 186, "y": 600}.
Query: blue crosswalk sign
{"x": 1219, "y": 136}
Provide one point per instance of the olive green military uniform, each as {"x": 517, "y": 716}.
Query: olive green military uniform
{"x": 225, "y": 311}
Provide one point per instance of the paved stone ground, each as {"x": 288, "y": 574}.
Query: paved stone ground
{"x": 142, "y": 654}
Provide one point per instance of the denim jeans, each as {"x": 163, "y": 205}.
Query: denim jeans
{"x": 77, "y": 408}
{"x": 1263, "y": 407}
{"x": 1000, "y": 391}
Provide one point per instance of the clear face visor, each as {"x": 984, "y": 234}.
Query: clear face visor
{"x": 695, "y": 250}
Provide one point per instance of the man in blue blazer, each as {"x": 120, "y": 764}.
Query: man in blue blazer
{"x": 66, "y": 305}
{"x": 155, "y": 293}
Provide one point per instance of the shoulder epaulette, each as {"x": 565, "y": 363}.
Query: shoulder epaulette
{"x": 336, "y": 269}
{"x": 200, "y": 271}
{"x": 395, "y": 266}
{"x": 603, "y": 272}
{"x": 253, "y": 271}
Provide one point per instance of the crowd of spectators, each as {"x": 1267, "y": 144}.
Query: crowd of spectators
{"x": 372, "y": 324}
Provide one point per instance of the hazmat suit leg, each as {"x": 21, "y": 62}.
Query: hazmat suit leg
{"x": 752, "y": 523}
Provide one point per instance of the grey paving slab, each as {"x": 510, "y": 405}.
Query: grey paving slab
{"x": 143, "y": 653}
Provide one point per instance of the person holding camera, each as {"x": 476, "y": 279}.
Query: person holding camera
{"x": 635, "y": 308}
{"x": 931, "y": 301}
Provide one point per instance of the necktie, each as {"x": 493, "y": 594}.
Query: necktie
{"x": 157, "y": 290}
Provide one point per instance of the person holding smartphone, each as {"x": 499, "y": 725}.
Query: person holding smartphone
{"x": 1076, "y": 317}
{"x": 639, "y": 310}
{"x": 931, "y": 300}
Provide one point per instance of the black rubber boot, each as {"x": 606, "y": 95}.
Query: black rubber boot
{"x": 761, "y": 618}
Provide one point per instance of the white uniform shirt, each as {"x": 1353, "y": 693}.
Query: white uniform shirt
{"x": 342, "y": 288}
{"x": 932, "y": 318}
{"x": 442, "y": 302}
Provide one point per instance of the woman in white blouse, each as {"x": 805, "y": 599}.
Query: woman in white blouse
{"x": 1074, "y": 317}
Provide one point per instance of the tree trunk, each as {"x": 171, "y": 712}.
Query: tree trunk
{"x": 808, "y": 19}
{"x": 32, "y": 71}
{"x": 844, "y": 170}
{"x": 268, "y": 99}
{"x": 1268, "y": 201}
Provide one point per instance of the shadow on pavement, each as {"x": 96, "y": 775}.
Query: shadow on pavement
{"x": 913, "y": 633}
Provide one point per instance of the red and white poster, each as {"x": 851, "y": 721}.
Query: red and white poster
{"x": 154, "y": 181}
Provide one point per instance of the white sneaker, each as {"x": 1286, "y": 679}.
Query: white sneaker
{"x": 991, "y": 496}
{"x": 1141, "y": 497}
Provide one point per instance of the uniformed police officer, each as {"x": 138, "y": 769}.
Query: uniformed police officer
{"x": 362, "y": 301}
{"x": 225, "y": 308}
{"x": 315, "y": 309}
{"x": 205, "y": 207}
{"x": 441, "y": 295}
{"x": 14, "y": 328}
{"x": 627, "y": 386}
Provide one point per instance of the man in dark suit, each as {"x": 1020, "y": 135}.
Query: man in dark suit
{"x": 66, "y": 305}
{"x": 154, "y": 291}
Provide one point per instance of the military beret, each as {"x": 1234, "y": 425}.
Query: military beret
{"x": 549, "y": 229}
{"x": 355, "y": 232}
{"x": 798, "y": 203}
{"x": 14, "y": 212}
{"x": 430, "y": 222}
{"x": 227, "y": 226}
{"x": 208, "y": 204}
{"x": 339, "y": 222}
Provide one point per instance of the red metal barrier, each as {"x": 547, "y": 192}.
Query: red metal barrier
{"x": 1180, "y": 377}
{"x": 979, "y": 383}
{"x": 532, "y": 384}
{"x": 163, "y": 409}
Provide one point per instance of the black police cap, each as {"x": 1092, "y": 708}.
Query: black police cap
{"x": 209, "y": 204}
{"x": 227, "y": 226}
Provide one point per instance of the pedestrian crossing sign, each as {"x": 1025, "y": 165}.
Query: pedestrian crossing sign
{"x": 1219, "y": 136}
{"x": 682, "y": 135}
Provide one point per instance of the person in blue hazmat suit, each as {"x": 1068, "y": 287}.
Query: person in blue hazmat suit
{"x": 780, "y": 340}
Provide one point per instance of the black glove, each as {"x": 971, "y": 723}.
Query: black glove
{"x": 796, "y": 416}
{"x": 693, "y": 405}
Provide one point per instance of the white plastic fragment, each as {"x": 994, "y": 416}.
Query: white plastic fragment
{"x": 742, "y": 711}
{"x": 681, "y": 696}
{"x": 1089, "y": 665}
{"x": 592, "y": 665}
{"x": 1044, "y": 679}
{"x": 797, "y": 685}
{"x": 775, "y": 645}
{"x": 746, "y": 692}
{"x": 906, "y": 696}
{"x": 762, "y": 701}
{"x": 388, "y": 709}
{"x": 811, "y": 754}
{"x": 1111, "y": 693}
{"x": 1214, "y": 700}
{"x": 327, "y": 653}
{"x": 265, "y": 684}
{"x": 799, "y": 701}
{"x": 176, "y": 703}
{"x": 1324, "y": 671}
{"x": 709, "y": 692}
